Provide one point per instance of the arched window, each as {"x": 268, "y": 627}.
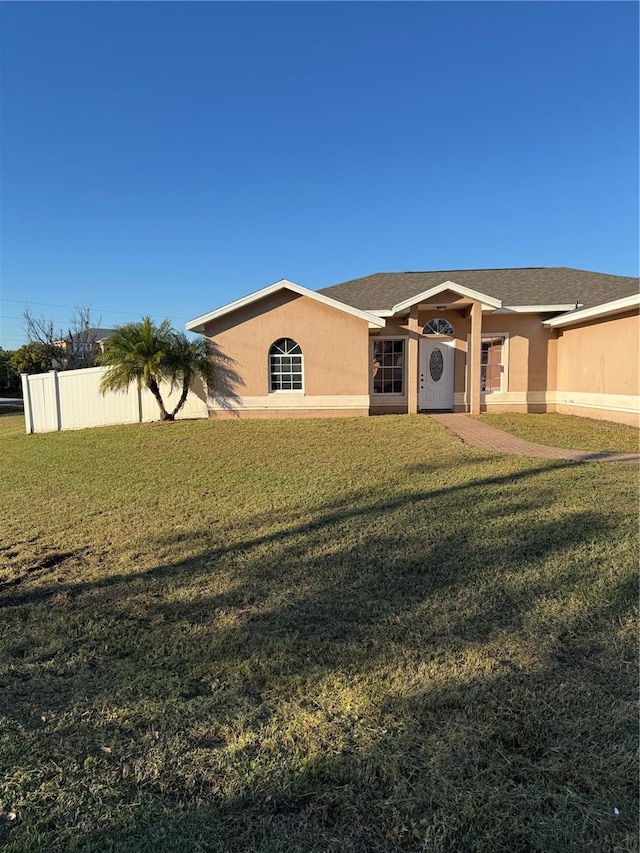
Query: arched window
{"x": 438, "y": 326}
{"x": 285, "y": 366}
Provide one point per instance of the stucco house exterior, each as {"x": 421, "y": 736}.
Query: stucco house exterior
{"x": 80, "y": 348}
{"x": 542, "y": 339}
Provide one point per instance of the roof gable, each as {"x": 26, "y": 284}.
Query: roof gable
{"x": 459, "y": 289}
{"x": 198, "y": 324}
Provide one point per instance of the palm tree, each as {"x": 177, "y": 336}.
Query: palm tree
{"x": 148, "y": 355}
{"x": 188, "y": 360}
{"x": 142, "y": 353}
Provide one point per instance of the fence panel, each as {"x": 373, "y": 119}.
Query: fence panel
{"x": 194, "y": 407}
{"x": 72, "y": 400}
{"x": 40, "y": 402}
{"x": 82, "y": 405}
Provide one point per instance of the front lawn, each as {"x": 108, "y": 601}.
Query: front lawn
{"x": 316, "y": 635}
{"x": 567, "y": 431}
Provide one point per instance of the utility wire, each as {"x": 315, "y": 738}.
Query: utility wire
{"x": 76, "y": 307}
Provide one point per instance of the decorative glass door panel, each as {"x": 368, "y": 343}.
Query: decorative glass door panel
{"x": 435, "y": 388}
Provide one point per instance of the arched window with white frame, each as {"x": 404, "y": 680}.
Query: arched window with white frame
{"x": 285, "y": 366}
{"x": 438, "y": 326}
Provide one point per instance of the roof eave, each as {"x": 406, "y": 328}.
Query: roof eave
{"x": 198, "y": 323}
{"x": 595, "y": 312}
{"x": 538, "y": 309}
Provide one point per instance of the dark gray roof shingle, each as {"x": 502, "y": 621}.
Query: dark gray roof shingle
{"x": 518, "y": 286}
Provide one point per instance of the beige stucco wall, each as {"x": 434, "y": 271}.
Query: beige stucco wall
{"x": 334, "y": 347}
{"x": 598, "y": 368}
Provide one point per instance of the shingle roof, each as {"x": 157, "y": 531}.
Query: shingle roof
{"x": 96, "y": 334}
{"x": 518, "y": 286}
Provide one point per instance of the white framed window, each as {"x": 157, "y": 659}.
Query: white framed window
{"x": 285, "y": 366}
{"x": 438, "y": 326}
{"x": 388, "y": 362}
{"x": 491, "y": 363}
{"x": 494, "y": 362}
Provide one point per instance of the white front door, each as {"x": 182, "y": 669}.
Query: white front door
{"x": 436, "y": 373}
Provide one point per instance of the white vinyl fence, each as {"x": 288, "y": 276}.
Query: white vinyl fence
{"x": 71, "y": 399}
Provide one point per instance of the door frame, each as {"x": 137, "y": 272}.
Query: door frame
{"x": 426, "y": 344}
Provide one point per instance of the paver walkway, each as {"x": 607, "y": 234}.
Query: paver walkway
{"x": 477, "y": 434}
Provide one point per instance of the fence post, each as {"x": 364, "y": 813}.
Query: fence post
{"x": 26, "y": 399}
{"x": 55, "y": 399}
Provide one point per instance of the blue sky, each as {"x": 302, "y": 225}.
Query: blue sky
{"x": 166, "y": 158}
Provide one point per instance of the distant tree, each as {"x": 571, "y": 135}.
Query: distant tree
{"x": 68, "y": 349}
{"x": 32, "y": 358}
{"x": 9, "y": 376}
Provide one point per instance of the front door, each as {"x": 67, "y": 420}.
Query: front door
{"x": 436, "y": 373}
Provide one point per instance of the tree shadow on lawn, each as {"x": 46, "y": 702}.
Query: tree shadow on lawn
{"x": 363, "y": 680}
{"x": 507, "y": 759}
{"x": 445, "y": 503}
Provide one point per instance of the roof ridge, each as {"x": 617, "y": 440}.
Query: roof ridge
{"x": 479, "y": 269}
{"x": 350, "y": 280}
{"x": 483, "y": 269}
{"x": 594, "y": 272}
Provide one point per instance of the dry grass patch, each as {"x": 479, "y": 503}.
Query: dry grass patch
{"x": 567, "y": 431}
{"x": 333, "y": 635}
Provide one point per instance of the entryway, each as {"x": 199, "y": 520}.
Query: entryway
{"x": 435, "y": 364}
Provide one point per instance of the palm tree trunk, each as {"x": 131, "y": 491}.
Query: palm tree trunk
{"x": 153, "y": 387}
{"x": 186, "y": 382}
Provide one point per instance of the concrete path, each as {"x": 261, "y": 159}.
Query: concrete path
{"x": 477, "y": 434}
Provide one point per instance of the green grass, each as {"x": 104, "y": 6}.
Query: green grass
{"x": 333, "y": 635}
{"x": 567, "y": 431}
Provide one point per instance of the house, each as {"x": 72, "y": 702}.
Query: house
{"x": 80, "y": 347}
{"x": 536, "y": 339}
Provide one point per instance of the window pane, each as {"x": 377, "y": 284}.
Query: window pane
{"x": 438, "y": 326}
{"x": 494, "y": 351}
{"x": 492, "y": 381}
{"x": 285, "y": 369}
{"x": 491, "y": 364}
{"x": 387, "y": 368}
